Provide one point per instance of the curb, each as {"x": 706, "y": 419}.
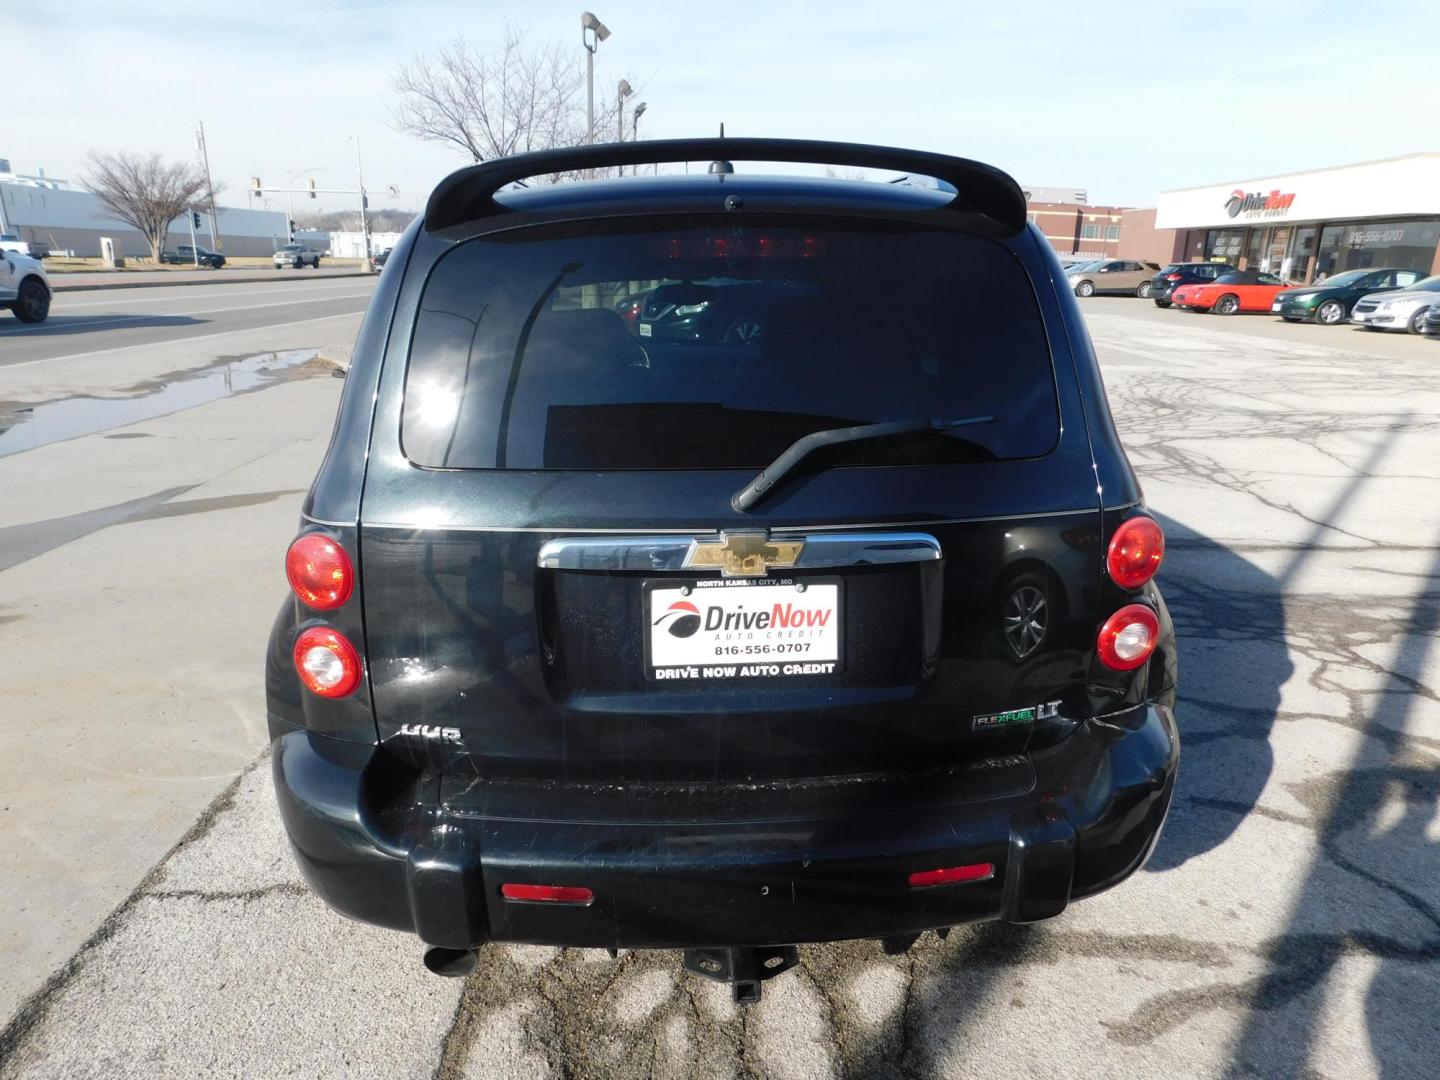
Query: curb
{"x": 240, "y": 278}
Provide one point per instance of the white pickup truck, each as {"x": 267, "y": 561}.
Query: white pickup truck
{"x": 11, "y": 242}
{"x": 24, "y": 286}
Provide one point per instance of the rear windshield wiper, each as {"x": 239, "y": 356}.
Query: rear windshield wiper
{"x": 802, "y": 448}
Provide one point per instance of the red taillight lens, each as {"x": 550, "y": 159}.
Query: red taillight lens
{"x": 1136, "y": 551}
{"x": 1128, "y": 638}
{"x": 327, "y": 663}
{"x": 952, "y": 875}
{"x": 320, "y": 572}
{"x": 547, "y": 894}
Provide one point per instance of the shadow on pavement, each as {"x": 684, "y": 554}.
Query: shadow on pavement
{"x": 1377, "y": 846}
{"x": 59, "y": 324}
{"x": 1230, "y": 627}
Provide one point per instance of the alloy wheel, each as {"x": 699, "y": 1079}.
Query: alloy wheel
{"x": 1330, "y": 312}
{"x": 744, "y": 332}
{"x": 33, "y": 303}
{"x": 1025, "y": 620}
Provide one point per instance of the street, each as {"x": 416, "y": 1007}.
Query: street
{"x": 89, "y": 323}
{"x": 1287, "y": 925}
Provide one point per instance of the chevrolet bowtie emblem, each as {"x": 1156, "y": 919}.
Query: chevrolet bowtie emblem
{"x": 742, "y": 554}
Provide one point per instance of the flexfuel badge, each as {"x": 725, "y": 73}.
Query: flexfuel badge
{"x": 1011, "y": 717}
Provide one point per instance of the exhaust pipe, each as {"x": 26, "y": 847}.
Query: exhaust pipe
{"x": 452, "y": 963}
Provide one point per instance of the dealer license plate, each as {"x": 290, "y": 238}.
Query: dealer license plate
{"x": 714, "y": 630}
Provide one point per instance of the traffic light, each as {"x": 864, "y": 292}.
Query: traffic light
{"x": 312, "y": 189}
{"x": 195, "y": 218}
{"x": 255, "y": 185}
{"x": 292, "y": 228}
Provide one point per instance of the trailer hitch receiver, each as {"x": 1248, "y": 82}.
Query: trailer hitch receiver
{"x": 744, "y": 967}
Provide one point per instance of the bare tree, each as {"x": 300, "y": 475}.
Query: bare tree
{"x": 509, "y": 101}
{"x": 144, "y": 192}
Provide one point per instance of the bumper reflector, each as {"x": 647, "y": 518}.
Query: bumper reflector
{"x": 952, "y": 875}
{"x": 547, "y": 894}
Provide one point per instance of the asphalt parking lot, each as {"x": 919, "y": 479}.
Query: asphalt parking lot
{"x": 1288, "y": 924}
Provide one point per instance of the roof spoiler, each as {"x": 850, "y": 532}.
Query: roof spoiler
{"x": 469, "y": 194}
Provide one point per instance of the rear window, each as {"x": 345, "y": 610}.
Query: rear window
{"x": 695, "y": 347}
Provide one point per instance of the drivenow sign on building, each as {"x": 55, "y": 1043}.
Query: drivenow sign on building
{"x": 1312, "y": 224}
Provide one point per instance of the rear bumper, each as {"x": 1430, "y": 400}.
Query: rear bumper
{"x": 393, "y": 850}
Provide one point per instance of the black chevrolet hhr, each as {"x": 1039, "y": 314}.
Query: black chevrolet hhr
{"x": 843, "y": 628}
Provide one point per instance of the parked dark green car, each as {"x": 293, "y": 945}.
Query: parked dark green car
{"x": 1330, "y": 301}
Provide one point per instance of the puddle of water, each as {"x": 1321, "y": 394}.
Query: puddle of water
{"x": 55, "y": 421}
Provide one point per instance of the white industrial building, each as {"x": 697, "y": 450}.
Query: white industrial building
{"x": 53, "y": 216}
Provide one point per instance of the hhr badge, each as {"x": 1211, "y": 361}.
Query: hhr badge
{"x": 431, "y": 731}
{"x": 742, "y": 554}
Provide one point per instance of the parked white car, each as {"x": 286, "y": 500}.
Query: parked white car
{"x": 24, "y": 286}
{"x": 1403, "y": 309}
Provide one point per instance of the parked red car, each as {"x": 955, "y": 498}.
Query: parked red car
{"x": 1243, "y": 290}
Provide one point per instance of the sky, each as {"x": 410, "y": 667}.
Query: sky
{"x": 1122, "y": 100}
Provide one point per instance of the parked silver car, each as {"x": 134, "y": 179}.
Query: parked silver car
{"x": 1120, "y": 276}
{"x": 1397, "y": 310}
{"x": 296, "y": 255}
{"x": 1431, "y": 325}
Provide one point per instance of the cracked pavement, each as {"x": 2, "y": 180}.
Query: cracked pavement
{"x": 1288, "y": 924}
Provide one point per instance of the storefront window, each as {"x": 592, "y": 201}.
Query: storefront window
{"x": 1276, "y": 249}
{"x": 1302, "y": 251}
{"x": 1254, "y": 245}
{"x": 1224, "y": 244}
{"x": 1407, "y": 244}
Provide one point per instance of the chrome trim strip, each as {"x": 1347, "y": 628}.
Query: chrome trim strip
{"x": 775, "y": 530}
{"x": 665, "y": 554}
{"x": 333, "y": 524}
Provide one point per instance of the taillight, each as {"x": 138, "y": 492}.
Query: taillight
{"x": 952, "y": 875}
{"x": 320, "y": 572}
{"x": 546, "y": 894}
{"x": 1128, "y": 638}
{"x": 1136, "y": 551}
{"x": 326, "y": 662}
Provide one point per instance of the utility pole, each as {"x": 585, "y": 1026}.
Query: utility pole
{"x": 209, "y": 187}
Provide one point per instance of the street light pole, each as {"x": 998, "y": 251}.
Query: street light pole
{"x": 592, "y": 32}
{"x": 622, "y": 93}
{"x": 290, "y": 178}
{"x": 364, "y": 224}
{"x": 635, "y": 132}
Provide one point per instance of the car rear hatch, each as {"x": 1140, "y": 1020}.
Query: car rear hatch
{"x": 557, "y": 586}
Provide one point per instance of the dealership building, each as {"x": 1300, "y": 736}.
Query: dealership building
{"x": 1308, "y": 225}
